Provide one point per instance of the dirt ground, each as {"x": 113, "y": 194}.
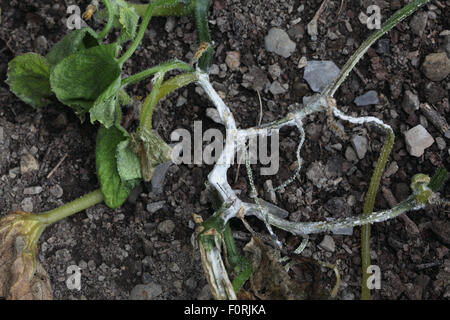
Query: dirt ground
{"x": 119, "y": 249}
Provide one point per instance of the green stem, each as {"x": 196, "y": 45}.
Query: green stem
{"x": 368, "y": 209}
{"x": 164, "y": 67}
{"x": 147, "y": 16}
{"x": 241, "y": 266}
{"x": 159, "y": 91}
{"x": 388, "y": 25}
{"x": 179, "y": 9}
{"x": 149, "y": 104}
{"x": 110, "y": 21}
{"x": 201, "y": 20}
{"x": 72, "y": 207}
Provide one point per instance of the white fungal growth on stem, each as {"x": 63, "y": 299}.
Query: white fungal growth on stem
{"x": 237, "y": 137}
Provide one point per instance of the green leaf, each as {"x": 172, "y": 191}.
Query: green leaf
{"x": 151, "y": 150}
{"x": 105, "y": 105}
{"x": 129, "y": 22}
{"x": 79, "y": 79}
{"x": 28, "y": 78}
{"x": 75, "y": 41}
{"x": 128, "y": 164}
{"x": 114, "y": 189}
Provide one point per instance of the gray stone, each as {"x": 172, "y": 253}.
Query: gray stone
{"x": 145, "y": 291}
{"x": 436, "y": 66}
{"x": 441, "y": 143}
{"x": 360, "y": 143}
{"x": 276, "y": 88}
{"x": 278, "y": 41}
{"x": 328, "y": 243}
{"x": 155, "y": 206}
{"x": 159, "y": 176}
{"x": 166, "y": 226}
{"x": 205, "y": 293}
{"x": 170, "y": 24}
{"x": 350, "y": 154}
{"x": 410, "y": 102}
{"x": 28, "y": 163}
{"x": 319, "y": 74}
{"x": 41, "y": 44}
{"x": 418, "y": 23}
{"x": 275, "y": 70}
{"x": 368, "y": 98}
{"x": 233, "y": 60}
{"x": 27, "y": 204}
{"x": 181, "y": 101}
{"x": 32, "y": 190}
{"x": 214, "y": 70}
{"x": 391, "y": 169}
{"x": 316, "y": 173}
{"x": 417, "y": 140}
{"x": 2, "y": 137}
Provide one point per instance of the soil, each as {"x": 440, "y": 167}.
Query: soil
{"x": 119, "y": 249}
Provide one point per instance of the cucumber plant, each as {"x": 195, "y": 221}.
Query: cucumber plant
{"x": 85, "y": 74}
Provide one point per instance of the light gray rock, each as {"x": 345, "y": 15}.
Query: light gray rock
{"x": 28, "y": 163}
{"x": 276, "y": 88}
{"x": 368, "y": 98}
{"x": 166, "y": 227}
{"x": 316, "y": 173}
{"x": 328, "y": 243}
{"x": 360, "y": 143}
{"x": 56, "y": 191}
{"x": 27, "y": 204}
{"x": 441, "y": 143}
{"x": 418, "y": 23}
{"x": 436, "y": 66}
{"x": 32, "y": 190}
{"x": 159, "y": 176}
{"x": 278, "y": 41}
{"x": 417, "y": 140}
{"x": 145, "y": 291}
{"x": 170, "y": 24}
{"x": 410, "y": 102}
{"x": 350, "y": 154}
{"x": 155, "y": 206}
{"x": 233, "y": 60}
{"x": 319, "y": 74}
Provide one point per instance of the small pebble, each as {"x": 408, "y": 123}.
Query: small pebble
{"x": 370, "y": 97}
{"x": 417, "y": 140}
{"x": 278, "y": 41}
{"x": 166, "y": 226}
{"x": 319, "y": 74}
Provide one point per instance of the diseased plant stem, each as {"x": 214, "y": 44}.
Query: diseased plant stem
{"x": 368, "y": 208}
{"x": 72, "y": 207}
{"x": 109, "y": 22}
{"x": 201, "y": 20}
{"x": 401, "y": 14}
